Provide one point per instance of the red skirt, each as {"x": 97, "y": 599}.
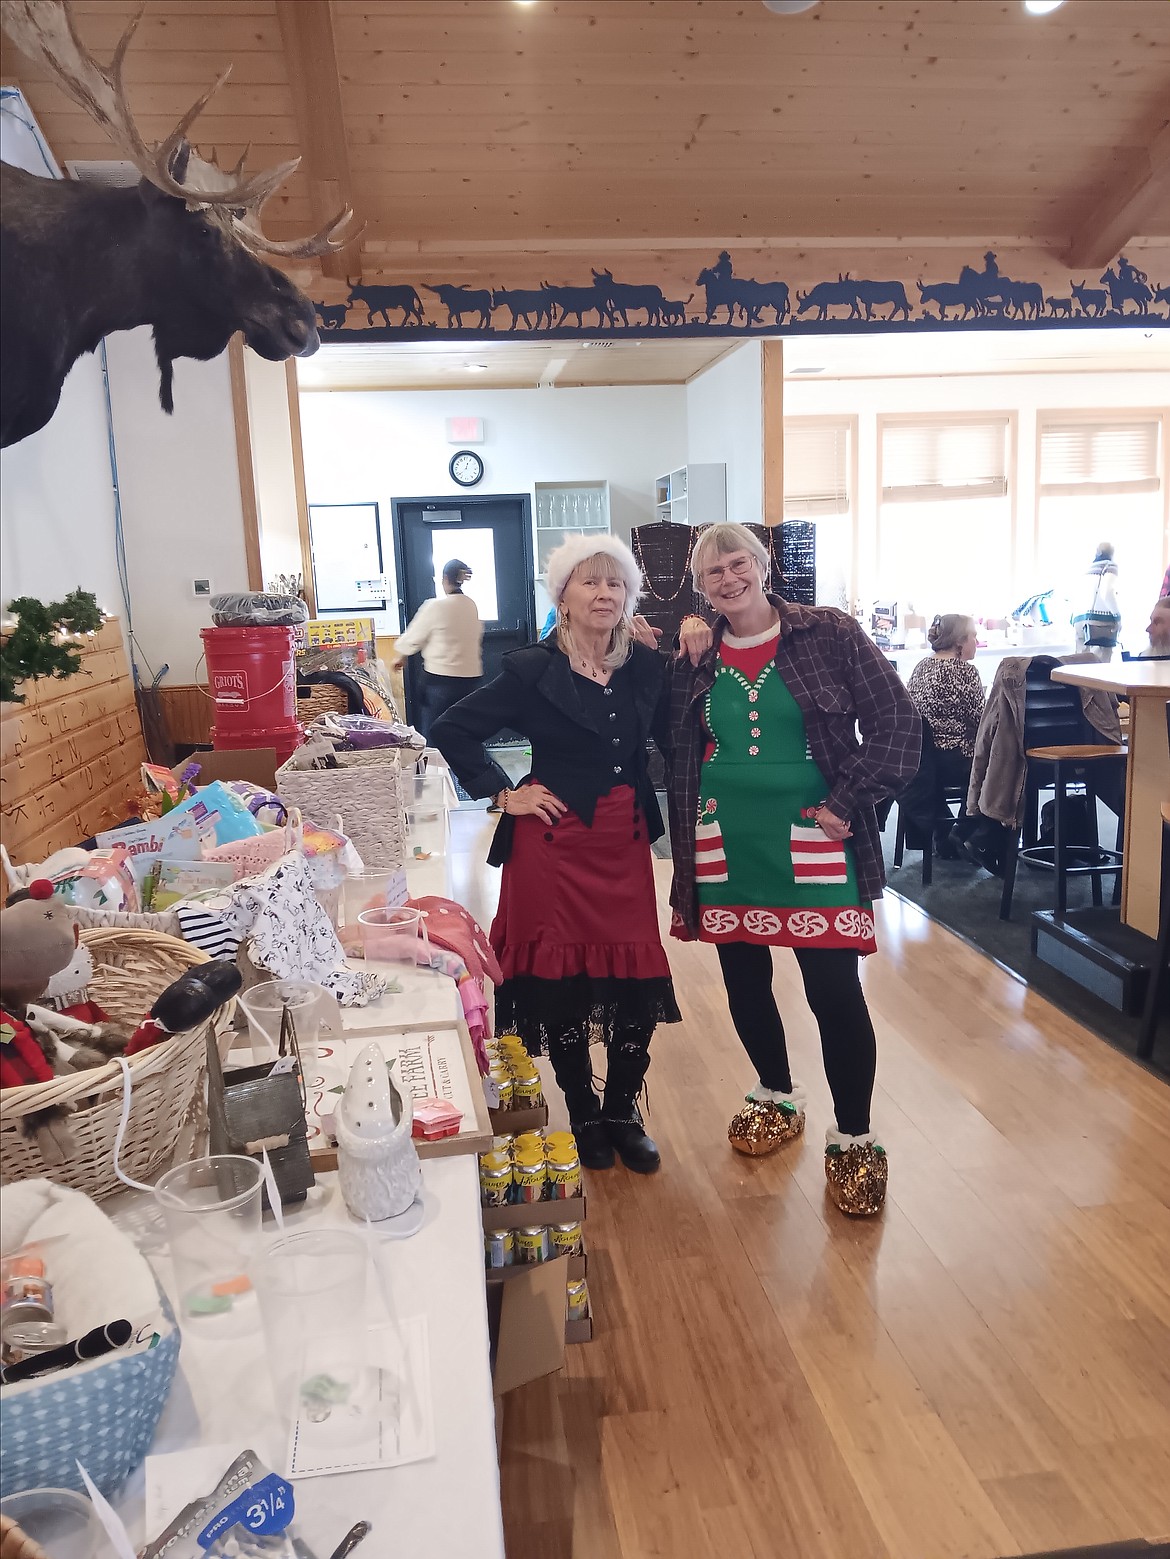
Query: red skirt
{"x": 576, "y": 932}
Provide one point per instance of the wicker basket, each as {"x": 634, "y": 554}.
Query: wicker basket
{"x": 365, "y": 791}
{"x": 131, "y": 969}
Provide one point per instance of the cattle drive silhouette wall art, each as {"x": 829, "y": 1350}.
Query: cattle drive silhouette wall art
{"x": 724, "y": 303}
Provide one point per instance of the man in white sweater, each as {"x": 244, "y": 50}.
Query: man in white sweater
{"x": 448, "y": 633}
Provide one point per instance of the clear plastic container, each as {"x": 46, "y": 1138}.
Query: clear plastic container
{"x": 395, "y": 936}
{"x": 65, "y": 1524}
{"x": 264, "y": 1007}
{"x": 212, "y": 1212}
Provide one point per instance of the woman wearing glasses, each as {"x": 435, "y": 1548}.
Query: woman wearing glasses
{"x": 775, "y": 840}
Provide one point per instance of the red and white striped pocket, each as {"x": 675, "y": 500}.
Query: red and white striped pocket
{"x": 710, "y": 856}
{"x": 816, "y": 857}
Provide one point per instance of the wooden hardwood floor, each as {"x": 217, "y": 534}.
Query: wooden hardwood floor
{"x": 983, "y": 1371}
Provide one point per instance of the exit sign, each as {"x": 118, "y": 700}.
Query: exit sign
{"x": 465, "y": 430}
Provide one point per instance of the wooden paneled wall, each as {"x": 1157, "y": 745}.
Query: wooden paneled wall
{"x": 71, "y": 753}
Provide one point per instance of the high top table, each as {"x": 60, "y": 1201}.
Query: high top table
{"x": 1146, "y": 685}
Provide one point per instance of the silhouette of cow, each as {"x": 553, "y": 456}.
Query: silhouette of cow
{"x": 463, "y": 300}
{"x": 580, "y": 301}
{"x": 621, "y": 296}
{"x": 1061, "y": 306}
{"x": 871, "y": 294}
{"x": 1162, "y": 295}
{"x": 1093, "y": 301}
{"x": 742, "y": 293}
{"x": 379, "y": 299}
{"x": 331, "y": 315}
{"x": 674, "y": 310}
{"x": 525, "y": 304}
{"x": 830, "y": 294}
{"x": 948, "y": 294}
{"x": 1023, "y": 299}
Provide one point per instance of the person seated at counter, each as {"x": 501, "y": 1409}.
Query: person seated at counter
{"x": 1158, "y": 632}
{"x": 947, "y": 692}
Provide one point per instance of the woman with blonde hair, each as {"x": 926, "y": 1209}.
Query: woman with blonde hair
{"x": 948, "y": 693}
{"x": 775, "y": 840}
{"x": 576, "y": 933}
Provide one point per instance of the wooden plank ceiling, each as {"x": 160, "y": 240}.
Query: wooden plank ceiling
{"x": 459, "y": 128}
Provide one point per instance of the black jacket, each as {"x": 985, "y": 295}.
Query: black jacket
{"x": 535, "y": 695}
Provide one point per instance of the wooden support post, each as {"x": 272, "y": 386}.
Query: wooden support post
{"x": 298, "y": 465}
{"x": 772, "y": 395}
{"x": 244, "y": 461}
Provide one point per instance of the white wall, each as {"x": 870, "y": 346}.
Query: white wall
{"x": 374, "y": 445}
{"x": 57, "y": 499}
{"x": 725, "y": 425}
{"x": 181, "y": 507}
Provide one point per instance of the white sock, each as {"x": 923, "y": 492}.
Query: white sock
{"x": 761, "y": 1095}
{"x": 842, "y": 1140}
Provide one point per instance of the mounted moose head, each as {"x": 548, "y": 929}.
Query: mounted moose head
{"x": 178, "y": 252}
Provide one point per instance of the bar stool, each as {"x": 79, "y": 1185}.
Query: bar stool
{"x": 1160, "y": 973}
{"x": 1058, "y": 756}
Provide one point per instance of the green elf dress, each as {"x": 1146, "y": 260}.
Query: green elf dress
{"x": 765, "y": 871}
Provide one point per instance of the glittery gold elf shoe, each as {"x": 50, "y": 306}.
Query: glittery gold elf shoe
{"x": 767, "y": 1121}
{"x": 856, "y": 1169}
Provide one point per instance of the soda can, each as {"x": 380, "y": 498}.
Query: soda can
{"x": 532, "y": 1245}
{"x": 528, "y": 1142}
{"x": 503, "y": 1145}
{"x": 565, "y": 1240}
{"x": 530, "y": 1177}
{"x": 499, "y": 1248}
{"x": 561, "y": 1142}
{"x": 505, "y": 1088}
{"x": 528, "y": 1090}
{"x": 495, "y": 1180}
{"x": 578, "y": 1298}
{"x": 564, "y": 1177}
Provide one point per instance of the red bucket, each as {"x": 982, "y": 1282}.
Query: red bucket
{"x": 252, "y": 676}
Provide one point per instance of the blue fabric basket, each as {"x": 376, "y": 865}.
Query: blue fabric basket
{"x": 104, "y": 1417}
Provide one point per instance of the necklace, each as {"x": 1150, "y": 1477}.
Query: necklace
{"x": 641, "y": 562}
{"x": 587, "y": 670}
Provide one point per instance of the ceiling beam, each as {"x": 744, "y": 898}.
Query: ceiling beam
{"x": 1122, "y": 214}
{"x": 306, "y": 30}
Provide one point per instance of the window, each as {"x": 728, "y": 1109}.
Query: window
{"x": 945, "y": 523}
{"x": 923, "y": 461}
{"x": 1100, "y": 481}
{"x": 476, "y": 548}
{"x": 345, "y": 540}
{"x": 816, "y": 488}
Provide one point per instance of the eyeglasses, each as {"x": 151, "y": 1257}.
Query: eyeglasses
{"x": 740, "y": 567}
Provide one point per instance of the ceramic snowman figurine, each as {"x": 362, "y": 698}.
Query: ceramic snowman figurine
{"x": 376, "y": 1157}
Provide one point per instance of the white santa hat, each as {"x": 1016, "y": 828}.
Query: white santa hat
{"x": 579, "y": 549}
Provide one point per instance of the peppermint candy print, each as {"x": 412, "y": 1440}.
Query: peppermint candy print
{"x": 762, "y": 922}
{"x": 719, "y": 922}
{"x": 807, "y": 923}
{"x": 854, "y": 923}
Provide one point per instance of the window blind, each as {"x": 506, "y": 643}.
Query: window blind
{"x": 922, "y": 461}
{"x": 1099, "y": 457}
{"x": 816, "y": 469}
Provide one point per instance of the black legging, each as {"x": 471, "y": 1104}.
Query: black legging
{"x": 628, "y": 1053}
{"x": 834, "y": 993}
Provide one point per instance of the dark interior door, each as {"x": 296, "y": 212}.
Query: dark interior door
{"x": 493, "y": 536}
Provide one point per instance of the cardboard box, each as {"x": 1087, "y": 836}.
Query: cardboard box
{"x": 579, "y": 1331}
{"x": 510, "y": 1123}
{"x": 526, "y": 1324}
{"x": 532, "y": 1215}
{"x": 576, "y": 1269}
{"x": 257, "y": 765}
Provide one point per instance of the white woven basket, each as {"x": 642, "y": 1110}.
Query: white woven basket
{"x": 365, "y": 791}
{"x": 132, "y": 968}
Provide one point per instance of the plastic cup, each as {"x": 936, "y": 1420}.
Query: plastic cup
{"x": 65, "y": 1524}
{"x": 212, "y": 1212}
{"x": 394, "y": 936}
{"x": 368, "y": 889}
{"x": 264, "y": 1007}
{"x": 312, "y": 1290}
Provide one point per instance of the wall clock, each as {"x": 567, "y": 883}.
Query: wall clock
{"x": 466, "y": 467}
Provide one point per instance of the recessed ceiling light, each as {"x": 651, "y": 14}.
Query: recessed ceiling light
{"x": 476, "y": 368}
{"x": 788, "y": 7}
{"x": 1042, "y": 7}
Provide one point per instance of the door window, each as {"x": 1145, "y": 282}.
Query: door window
{"x": 476, "y": 548}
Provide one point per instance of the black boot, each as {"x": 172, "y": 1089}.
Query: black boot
{"x": 629, "y": 1058}
{"x": 573, "y": 1070}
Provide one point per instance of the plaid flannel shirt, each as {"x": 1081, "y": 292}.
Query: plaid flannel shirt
{"x": 843, "y": 686}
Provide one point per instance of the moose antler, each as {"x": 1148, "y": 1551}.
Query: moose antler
{"x": 45, "y": 31}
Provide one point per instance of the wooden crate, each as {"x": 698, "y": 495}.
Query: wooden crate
{"x": 71, "y": 752}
